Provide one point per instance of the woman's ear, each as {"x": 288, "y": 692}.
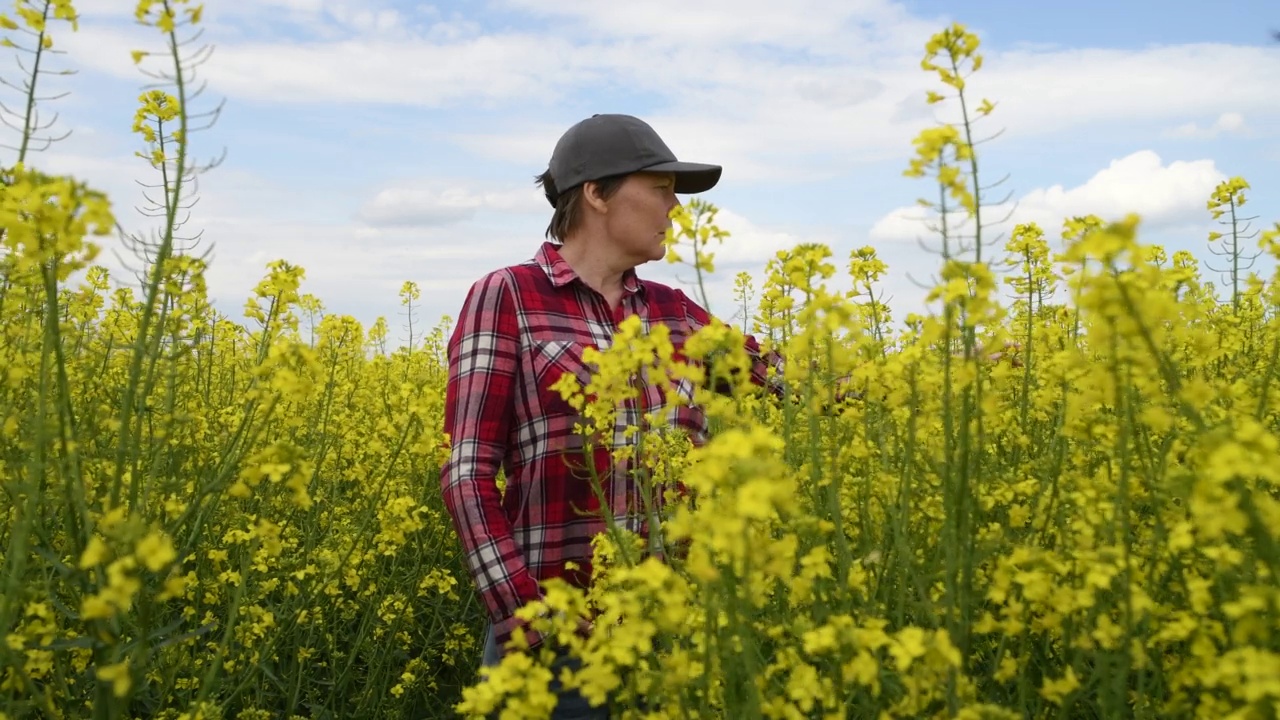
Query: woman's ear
{"x": 591, "y": 195}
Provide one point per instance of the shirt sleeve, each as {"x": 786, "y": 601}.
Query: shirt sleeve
{"x": 484, "y": 356}
{"x": 697, "y": 317}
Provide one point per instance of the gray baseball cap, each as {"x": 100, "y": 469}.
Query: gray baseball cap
{"x": 612, "y": 144}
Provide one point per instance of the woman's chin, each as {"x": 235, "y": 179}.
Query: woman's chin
{"x": 660, "y": 249}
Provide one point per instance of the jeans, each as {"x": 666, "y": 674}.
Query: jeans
{"x": 570, "y": 705}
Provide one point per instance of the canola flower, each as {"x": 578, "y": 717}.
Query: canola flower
{"x": 1064, "y": 505}
{"x": 1086, "y": 530}
{"x": 203, "y": 518}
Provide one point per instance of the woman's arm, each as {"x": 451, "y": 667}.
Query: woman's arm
{"x": 484, "y": 357}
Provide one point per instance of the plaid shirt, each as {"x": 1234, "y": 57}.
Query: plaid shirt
{"x": 520, "y": 328}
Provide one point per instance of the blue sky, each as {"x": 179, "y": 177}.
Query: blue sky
{"x": 375, "y": 142}
{"x": 1123, "y": 25}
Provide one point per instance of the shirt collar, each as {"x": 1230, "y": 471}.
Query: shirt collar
{"x": 560, "y": 273}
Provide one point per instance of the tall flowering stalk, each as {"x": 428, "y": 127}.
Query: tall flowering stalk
{"x": 1226, "y": 205}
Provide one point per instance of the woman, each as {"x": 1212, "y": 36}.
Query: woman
{"x": 612, "y": 182}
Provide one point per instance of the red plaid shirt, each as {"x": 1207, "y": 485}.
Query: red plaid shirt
{"x": 520, "y": 328}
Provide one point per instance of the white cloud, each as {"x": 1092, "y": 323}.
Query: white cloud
{"x": 815, "y": 26}
{"x": 769, "y": 120}
{"x": 773, "y": 90}
{"x": 354, "y": 270}
{"x": 439, "y": 203}
{"x": 749, "y": 243}
{"x": 408, "y": 72}
{"x": 776, "y": 93}
{"x": 304, "y": 12}
{"x": 1048, "y": 91}
{"x": 903, "y": 224}
{"x": 1226, "y": 123}
{"x": 1164, "y": 195}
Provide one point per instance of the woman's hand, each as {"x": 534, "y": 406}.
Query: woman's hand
{"x": 1010, "y": 351}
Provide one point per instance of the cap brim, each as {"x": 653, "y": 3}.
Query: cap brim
{"x": 691, "y": 178}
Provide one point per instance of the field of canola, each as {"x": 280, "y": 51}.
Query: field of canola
{"x": 203, "y": 518}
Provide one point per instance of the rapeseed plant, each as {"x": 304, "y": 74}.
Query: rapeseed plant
{"x": 1065, "y": 505}
{"x": 203, "y": 518}
{"x": 1059, "y": 507}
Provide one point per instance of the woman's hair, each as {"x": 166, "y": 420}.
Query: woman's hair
{"x": 568, "y": 212}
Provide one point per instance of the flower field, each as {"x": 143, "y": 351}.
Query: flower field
{"x": 1055, "y": 496}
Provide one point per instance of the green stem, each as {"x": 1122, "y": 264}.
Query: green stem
{"x": 28, "y": 120}
{"x": 173, "y": 196}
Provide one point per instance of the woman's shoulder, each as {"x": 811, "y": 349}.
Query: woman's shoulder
{"x": 510, "y": 277}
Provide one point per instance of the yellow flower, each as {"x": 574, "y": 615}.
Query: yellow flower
{"x": 908, "y": 646}
{"x": 1056, "y": 691}
{"x": 156, "y": 551}
{"x": 95, "y": 553}
{"x": 118, "y": 675}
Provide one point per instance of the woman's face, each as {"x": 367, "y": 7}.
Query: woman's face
{"x": 639, "y": 215}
